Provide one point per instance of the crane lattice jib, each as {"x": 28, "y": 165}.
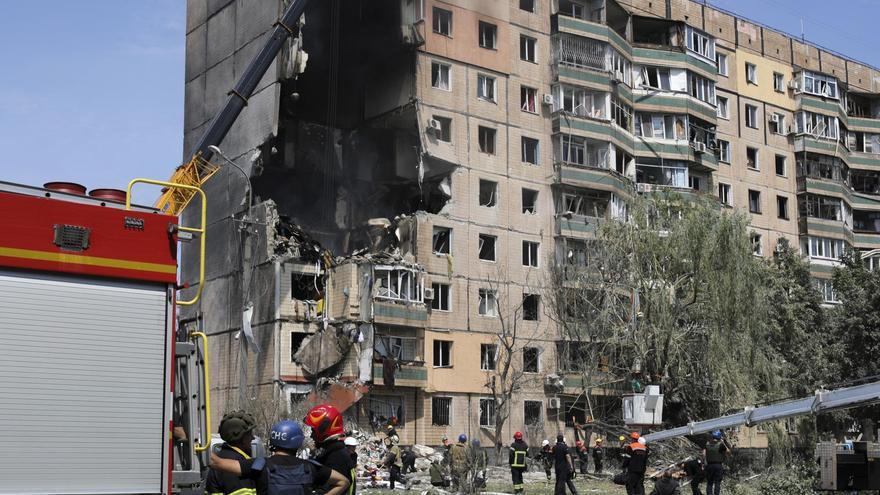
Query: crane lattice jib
{"x": 193, "y": 173}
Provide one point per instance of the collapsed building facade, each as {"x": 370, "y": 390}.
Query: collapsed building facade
{"x": 416, "y": 166}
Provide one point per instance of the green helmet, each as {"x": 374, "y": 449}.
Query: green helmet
{"x": 235, "y": 425}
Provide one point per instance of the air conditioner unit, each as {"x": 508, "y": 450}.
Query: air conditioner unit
{"x": 792, "y": 129}
{"x": 699, "y": 147}
{"x": 434, "y": 125}
{"x": 548, "y": 99}
{"x": 554, "y": 403}
{"x": 429, "y": 294}
{"x": 617, "y": 76}
{"x": 775, "y": 118}
{"x": 644, "y": 188}
{"x": 794, "y": 85}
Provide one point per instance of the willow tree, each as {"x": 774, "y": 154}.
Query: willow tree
{"x": 674, "y": 296}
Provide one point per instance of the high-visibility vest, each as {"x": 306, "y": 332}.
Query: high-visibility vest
{"x": 519, "y": 458}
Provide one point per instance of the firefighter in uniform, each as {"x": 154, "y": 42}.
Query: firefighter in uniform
{"x": 546, "y": 456}
{"x": 598, "y": 455}
{"x": 236, "y": 430}
{"x": 636, "y": 464}
{"x": 517, "y": 461}
{"x": 328, "y": 431}
{"x": 394, "y": 461}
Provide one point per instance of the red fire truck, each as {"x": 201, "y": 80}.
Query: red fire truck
{"x": 90, "y": 355}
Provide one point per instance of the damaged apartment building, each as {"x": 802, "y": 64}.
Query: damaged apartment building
{"x": 416, "y": 166}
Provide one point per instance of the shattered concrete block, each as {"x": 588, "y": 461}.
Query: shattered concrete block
{"x": 422, "y": 450}
{"x": 322, "y": 351}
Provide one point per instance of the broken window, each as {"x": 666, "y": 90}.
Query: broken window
{"x": 528, "y": 98}
{"x": 399, "y": 284}
{"x": 700, "y": 43}
{"x": 441, "y": 411}
{"x": 441, "y": 297}
{"x": 444, "y": 129}
{"x": 530, "y": 150}
{"x": 488, "y": 35}
{"x": 757, "y": 245}
{"x": 387, "y": 409}
{"x": 400, "y": 348}
{"x": 585, "y": 204}
{"x": 531, "y": 304}
{"x": 529, "y": 201}
{"x": 820, "y": 85}
{"x": 751, "y": 73}
{"x": 721, "y": 108}
{"x": 661, "y": 172}
{"x": 621, "y": 113}
{"x": 306, "y": 286}
{"x": 488, "y": 354}
{"x": 754, "y": 201}
{"x": 824, "y": 207}
{"x": 442, "y": 240}
{"x": 821, "y": 126}
{"x": 487, "y": 412}
{"x": 572, "y": 9}
{"x": 777, "y": 123}
{"x": 527, "y": 48}
{"x": 782, "y": 207}
{"x": 780, "y": 165}
{"x": 530, "y": 253}
{"x": 488, "y": 193}
{"x": 440, "y": 76}
{"x": 296, "y": 340}
{"x": 530, "y": 359}
{"x": 575, "y": 411}
{"x": 487, "y": 247}
{"x": 701, "y": 88}
{"x": 723, "y": 151}
{"x": 442, "y": 22}
{"x": 778, "y": 82}
{"x": 661, "y": 126}
{"x": 721, "y": 64}
{"x": 442, "y": 353}
{"x": 656, "y": 77}
{"x": 527, "y": 5}
{"x": 751, "y": 116}
{"x": 695, "y": 182}
{"x": 580, "y": 102}
{"x": 485, "y": 87}
{"x": 488, "y": 303}
{"x": 486, "y": 136}
{"x": 724, "y": 193}
{"x": 532, "y": 410}
{"x": 752, "y": 158}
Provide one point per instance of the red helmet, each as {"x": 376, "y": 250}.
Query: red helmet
{"x": 326, "y": 423}
{"x": 517, "y": 435}
{"x": 579, "y": 444}
{"x": 634, "y": 435}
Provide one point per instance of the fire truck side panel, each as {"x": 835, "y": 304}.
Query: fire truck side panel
{"x": 83, "y": 385}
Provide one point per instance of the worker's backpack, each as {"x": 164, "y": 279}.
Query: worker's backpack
{"x": 290, "y": 480}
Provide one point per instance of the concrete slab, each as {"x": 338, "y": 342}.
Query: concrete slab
{"x": 196, "y": 13}
{"x": 221, "y": 41}
{"x": 219, "y": 81}
{"x": 257, "y": 122}
{"x": 194, "y": 103}
{"x": 253, "y": 18}
{"x": 196, "y": 52}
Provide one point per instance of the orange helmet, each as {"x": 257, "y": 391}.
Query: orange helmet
{"x": 634, "y": 435}
{"x": 517, "y": 435}
{"x": 326, "y": 423}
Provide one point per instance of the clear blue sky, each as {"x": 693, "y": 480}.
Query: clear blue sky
{"x": 92, "y": 90}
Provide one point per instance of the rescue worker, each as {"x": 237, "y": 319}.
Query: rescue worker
{"x": 714, "y": 453}
{"x": 517, "y": 460}
{"x": 283, "y": 471}
{"x": 621, "y": 445}
{"x": 409, "y": 461}
{"x": 351, "y": 444}
{"x": 438, "y": 478}
{"x": 635, "y": 464}
{"x": 459, "y": 456}
{"x": 563, "y": 466}
{"x": 582, "y": 456}
{"x": 236, "y": 430}
{"x": 394, "y": 461}
{"x": 598, "y": 455}
{"x": 666, "y": 485}
{"x": 546, "y": 456}
{"x": 694, "y": 469}
{"x": 327, "y": 432}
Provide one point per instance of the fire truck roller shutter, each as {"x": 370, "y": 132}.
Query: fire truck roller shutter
{"x": 82, "y": 385}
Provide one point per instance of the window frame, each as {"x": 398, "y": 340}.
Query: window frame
{"x": 481, "y": 26}
{"x": 751, "y": 73}
{"x": 757, "y": 242}
{"x": 488, "y": 360}
{"x": 492, "y": 201}
{"x": 487, "y": 84}
{"x": 490, "y": 412}
{"x": 725, "y": 193}
{"x": 782, "y": 207}
{"x": 537, "y": 405}
{"x": 778, "y": 82}
{"x": 695, "y": 37}
{"x": 751, "y": 114}
{"x": 438, "y": 346}
{"x": 528, "y": 247}
{"x": 718, "y": 63}
{"x": 537, "y": 360}
{"x": 434, "y": 231}
{"x": 445, "y": 134}
{"x": 534, "y": 204}
{"x": 722, "y": 102}
{"x": 784, "y": 165}
{"x": 487, "y": 295}
{"x": 439, "y": 79}
{"x": 482, "y": 238}
{"x": 449, "y": 413}
{"x": 525, "y": 44}
{"x": 436, "y": 21}
{"x": 757, "y": 164}
{"x": 724, "y": 151}
{"x": 532, "y": 10}
{"x": 487, "y": 138}
{"x": 525, "y": 141}
{"x": 537, "y": 309}
{"x": 528, "y": 99}
{"x": 440, "y": 297}
{"x": 757, "y": 203}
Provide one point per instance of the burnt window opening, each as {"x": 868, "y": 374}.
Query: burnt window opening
{"x": 529, "y": 201}
{"x": 574, "y": 412}
{"x": 487, "y": 247}
{"x": 531, "y": 303}
{"x": 527, "y": 5}
{"x": 296, "y": 341}
{"x": 530, "y": 359}
{"x": 443, "y": 131}
{"x": 532, "y": 410}
{"x": 442, "y": 240}
{"x": 488, "y": 193}
{"x": 488, "y": 35}
{"x": 306, "y": 286}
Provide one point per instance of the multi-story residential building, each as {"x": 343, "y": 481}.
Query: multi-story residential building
{"x": 450, "y": 152}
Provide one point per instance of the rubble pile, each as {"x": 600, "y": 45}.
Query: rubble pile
{"x": 372, "y": 452}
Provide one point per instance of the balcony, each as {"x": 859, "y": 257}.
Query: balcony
{"x": 407, "y": 351}
{"x": 566, "y": 24}
{"x": 409, "y": 375}
{"x": 673, "y": 102}
{"x": 827, "y": 187}
{"x": 399, "y": 295}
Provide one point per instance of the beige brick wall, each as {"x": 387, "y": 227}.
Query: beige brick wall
{"x": 805, "y": 56}
{"x": 859, "y": 76}
{"x": 777, "y": 46}
{"x": 721, "y": 25}
{"x": 749, "y": 36}
{"x": 833, "y": 65}
{"x": 689, "y": 12}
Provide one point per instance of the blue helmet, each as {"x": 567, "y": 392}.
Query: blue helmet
{"x": 716, "y": 434}
{"x": 462, "y": 438}
{"x": 287, "y": 435}
{"x": 475, "y": 442}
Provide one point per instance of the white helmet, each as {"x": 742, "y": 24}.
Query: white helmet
{"x": 351, "y": 441}
{"x": 642, "y": 440}
{"x": 545, "y": 443}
